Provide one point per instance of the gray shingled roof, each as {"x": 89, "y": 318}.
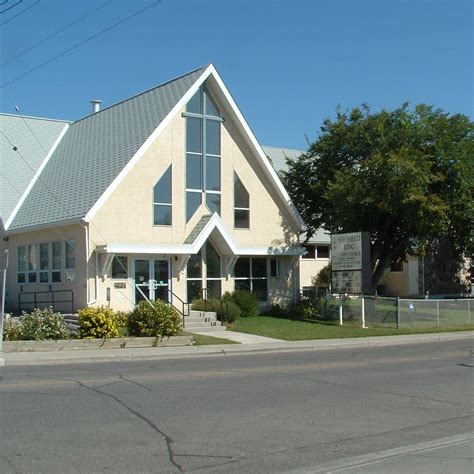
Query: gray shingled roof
{"x": 33, "y": 137}
{"x": 278, "y": 156}
{"x": 197, "y": 229}
{"x": 94, "y": 151}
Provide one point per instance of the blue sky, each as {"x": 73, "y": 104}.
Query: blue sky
{"x": 288, "y": 64}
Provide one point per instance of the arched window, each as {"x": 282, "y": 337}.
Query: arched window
{"x": 162, "y": 199}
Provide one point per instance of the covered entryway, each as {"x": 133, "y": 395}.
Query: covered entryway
{"x": 151, "y": 279}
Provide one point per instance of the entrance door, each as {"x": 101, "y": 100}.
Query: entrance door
{"x": 151, "y": 279}
{"x": 160, "y": 277}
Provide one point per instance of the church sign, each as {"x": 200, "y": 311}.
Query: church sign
{"x": 350, "y": 261}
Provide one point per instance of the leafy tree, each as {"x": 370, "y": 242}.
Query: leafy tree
{"x": 406, "y": 176}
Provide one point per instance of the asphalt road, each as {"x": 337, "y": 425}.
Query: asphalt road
{"x": 347, "y": 410}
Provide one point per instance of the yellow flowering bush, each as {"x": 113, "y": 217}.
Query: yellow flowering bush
{"x": 98, "y": 322}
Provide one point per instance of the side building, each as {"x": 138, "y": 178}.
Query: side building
{"x": 167, "y": 194}
{"x": 318, "y": 248}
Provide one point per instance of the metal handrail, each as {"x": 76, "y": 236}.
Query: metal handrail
{"x": 52, "y": 302}
{"x": 205, "y": 291}
{"x": 183, "y": 304}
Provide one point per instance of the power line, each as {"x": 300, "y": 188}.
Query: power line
{"x": 21, "y": 13}
{"x": 75, "y": 22}
{"x": 72, "y": 48}
{"x": 13, "y": 6}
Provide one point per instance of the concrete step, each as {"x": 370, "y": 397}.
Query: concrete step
{"x": 201, "y": 319}
{"x": 201, "y": 314}
{"x": 205, "y": 329}
{"x": 201, "y": 324}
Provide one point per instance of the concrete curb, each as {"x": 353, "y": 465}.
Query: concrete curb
{"x": 124, "y": 355}
{"x": 88, "y": 344}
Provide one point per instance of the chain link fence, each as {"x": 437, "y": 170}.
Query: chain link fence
{"x": 434, "y": 313}
{"x": 373, "y": 311}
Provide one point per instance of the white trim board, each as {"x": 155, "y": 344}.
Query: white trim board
{"x": 215, "y": 222}
{"x": 35, "y": 177}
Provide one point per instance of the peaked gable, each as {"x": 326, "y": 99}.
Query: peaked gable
{"x": 98, "y": 151}
{"x": 94, "y": 151}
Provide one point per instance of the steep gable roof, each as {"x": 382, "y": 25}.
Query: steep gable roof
{"x": 98, "y": 151}
{"x": 94, "y": 151}
{"x": 33, "y": 137}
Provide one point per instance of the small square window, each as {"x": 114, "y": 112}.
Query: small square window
{"x": 323, "y": 251}
{"x": 310, "y": 251}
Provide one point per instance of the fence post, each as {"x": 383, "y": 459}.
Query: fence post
{"x": 437, "y": 312}
{"x": 363, "y": 313}
{"x": 340, "y": 310}
{"x": 398, "y": 312}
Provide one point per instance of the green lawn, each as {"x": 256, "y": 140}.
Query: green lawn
{"x": 201, "y": 340}
{"x": 296, "y": 330}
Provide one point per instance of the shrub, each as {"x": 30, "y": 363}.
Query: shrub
{"x": 246, "y": 301}
{"x": 121, "y": 318}
{"x": 227, "y": 311}
{"x": 97, "y": 322}
{"x": 277, "y": 311}
{"x": 43, "y": 324}
{"x": 201, "y": 305}
{"x": 309, "y": 308}
{"x": 12, "y": 330}
{"x": 159, "y": 320}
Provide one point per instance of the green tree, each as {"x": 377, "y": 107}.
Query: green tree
{"x": 406, "y": 176}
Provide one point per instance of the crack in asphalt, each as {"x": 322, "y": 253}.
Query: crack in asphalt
{"x": 135, "y": 383}
{"x": 169, "y": 441}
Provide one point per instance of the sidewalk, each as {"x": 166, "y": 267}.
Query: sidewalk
{"x": 123, "y": 355}
{"x": 239, "y": 337}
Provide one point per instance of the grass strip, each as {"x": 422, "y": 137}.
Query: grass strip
{"x": 298, "y": 330}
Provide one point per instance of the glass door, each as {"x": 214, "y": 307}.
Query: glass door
{"x": 142, "y": 275}
{"x": 160, "y": 277}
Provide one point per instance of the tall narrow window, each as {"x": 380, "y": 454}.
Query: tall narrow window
{"x": 57, "y": 262}
{"x": 21, "y": 264}
{"x": 70, "y": 259}
{"x": 194, "y": 276}
{"x": 203, "y": 154}
{"x": 241, "y": 205}
{"x": 213, "y": 271}
{"x": 162, "y": 206}
{"x": 32, "y": 263}
{"x": 44, "y": 263}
